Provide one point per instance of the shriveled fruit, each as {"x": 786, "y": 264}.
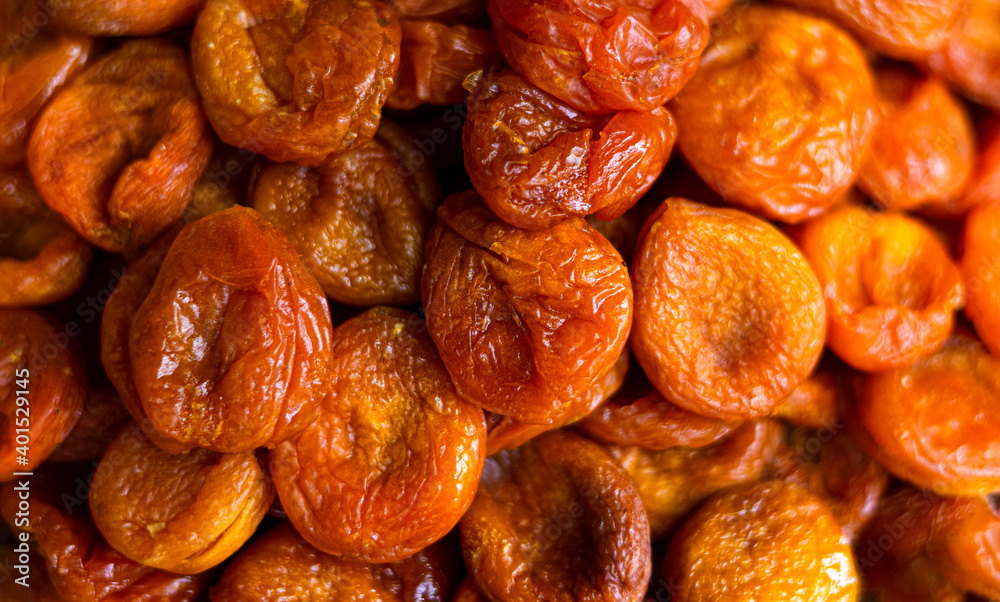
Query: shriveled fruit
{"x": 813, "y": 404}
{"x": 981, "y": 268}
{"x": 970, "y": 60}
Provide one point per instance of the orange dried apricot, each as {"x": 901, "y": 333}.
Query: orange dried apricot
{"x": 103, "y": 417}
{"x": 970, "y": 59}
{"x": 813, "y": 404}
{"x": 980, "y": 266}
{"x": 142, "y": 18}
{"x": 984, "y": 187}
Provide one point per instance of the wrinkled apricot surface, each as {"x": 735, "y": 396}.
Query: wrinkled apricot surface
{"x": 981, "y": 268}
{"x": 813, "y": 404}
{"x": 971, "y": 58}
{"x": 142, "y": 18}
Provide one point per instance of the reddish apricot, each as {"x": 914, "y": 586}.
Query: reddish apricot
{"x": 773, "y": 541}
{"x": 890, "y": 286}
{"x": 42, "y": 387}
{"x": 671, "y": 482}
{"x": 230, "y": 348}
{"x": 536, "y": 160}
{"x": 295, "y": 80}
{"x": 779, "y": 115}
{"x": 606, "y": 55}
{"x": 923, "y": 147}
{"x": 392, "y": 462}
{"x": 717, "y": 333}
{"x": 970, "y": 59}
{"x": 102, "y": 418}
{"x": 41, "y": 259}
{"x": 981, "y": 268}
{"x": 525, "y": 321}
{"x": 360, "y": 220}
{"x": 144, "y": 18}
{"x": 555, "y": 519}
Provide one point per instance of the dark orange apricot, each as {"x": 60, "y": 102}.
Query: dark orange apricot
{"x": 280, "y": 565}
{"x": 729, "y": 317}
{"x": 621, "y": 231}
{"x": 984, "y": 187}
{"x": 779, "y": 115}
{"x": 360, "y": 221}
{"x": 980, "y": 266}
{"x": 891, "y": 287}
{"x": 970, "y": 59}
{"x": 536, "y": 160}
{"x": 448, "y": 11}
{"x": 469, "y": 592}
{"x": 392, "y": 462}
{"x": 230, "y": 348}
{"x": 42, "y": 260}
{"x": 934, "y": 423}
{"x": 922, "y": 149}
{"x": 768, "y": 541}
{"x": 142, "y": 18}
{"x": 966, "y": 544}
{"x": 672, "y": 482}
{"x": 603, "y": 56}
{"x": 43, "y": 383}
{"x": 295, "y": 80}
{"x": 225, "y": 182}
{"x": 103, "y": 417}
{"x": 525, "y": 321}
{"x": 555, "y": 519}
{"x": 813, "y": 404}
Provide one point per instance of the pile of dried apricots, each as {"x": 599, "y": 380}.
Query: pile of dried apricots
{"x": 413, "y": 300}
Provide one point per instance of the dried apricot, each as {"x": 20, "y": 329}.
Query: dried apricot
{"x": 295, "y": 80}
{"x": 891, "y": 287}
{"x": 768, "y": 541}
{"x": 981, "y": 267}
{"x": 984, "y": 187}
{"x": 970, "y": 59}
{"x": 145, "y": 18}
{"x": 103, "y": 417}
{"x": 555, "y": 519}
{"x": 360, "y": 220}
{"x": 536, "y": 160}
{"x": 729, "y": 317}
{"x": 42, "y": 260}
{"x": 392, "y": 462}
{"x": 444, "y": 10}
{"x": 525, "y": 321}
{"x": 603, "y": 56}
{"x": 117, "y": 152}
{"x": 779, "y": 115}
{"x": 813, "y": 404}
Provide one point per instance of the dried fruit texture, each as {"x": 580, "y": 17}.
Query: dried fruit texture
{"x": 923, "y": 148}
{"x": 813, "y": 404}
{"x": 280, "y": 565}
{"x": 295, "y": 80}
{"x": 606, "y": 55}
{"x": 729, "y": 317}
{"x": 891, "y": 287}
{"x": 536, "y": 160}
{"x": 360, "y": 220}
{"x": 828, "y": 463}
{"x": 435, "y": 59}
{"x": 672, "y": 482}
{"x": 981, "y": 268}
{"x": 43, "y": 383}
{"x": 639, "y": 416}
{"x": 103, "y": 417}
{"x": 101, "y": 18}
{"x": 42, "y": 260}
{"x": 504, "y": 432}
{"x": 231, "y": 347}
{"x": 970, "y": 60}
{"x": 224, "y": 183}
{"x": 525, "y": 321}
{"x": 183, "y": 513}
{"x": 984, "y": 187}
{"x": 393, "y": 460}
{"x": 780, "y": 113}
{"x": 965, "y": 543}
{"x": 934, "y": 423}
{"x": 33, "y": 66}
{"x": 444, "y": 10}
{"x": 768, "y": 541}
{"x": 81, "y": 565}
{"x": 117, "y": 152}
{"x": 556, "y": 520}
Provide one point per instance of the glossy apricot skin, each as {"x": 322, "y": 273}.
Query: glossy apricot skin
{"x": 295, "y": 81}
{"x": 230, "y": 349}
{"x": 525, "y": 321}
{"x": 435, "y": 58}
{"x": 672, "y": 482}
{"x": 933, "y": 423}
{"x": 605, "y": 56}
{"x": 729, "y": 318}
{"x": 922, "y": 149}
{"x": 970, "y": 60}
{"x": 43, "y": 383}
{"x": 392, "y": 462}
{"x": 768, "y": 541}
{"x": 360, "y": 221}
{"x": 890, "y": 286}
{"x": 980, "y": 265}
{"x": 117, "y": 152}
{"x": 535, "y": 159}
{"x": 102, "y": 418}
{"x": 556, "y": 519}
{"x": 813, "y": 404}
{"x": 145, "y": 18}
{"x": 777, "y": 88}
{"x": 280, "y": 565}
{"x": 42, "y": 260}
